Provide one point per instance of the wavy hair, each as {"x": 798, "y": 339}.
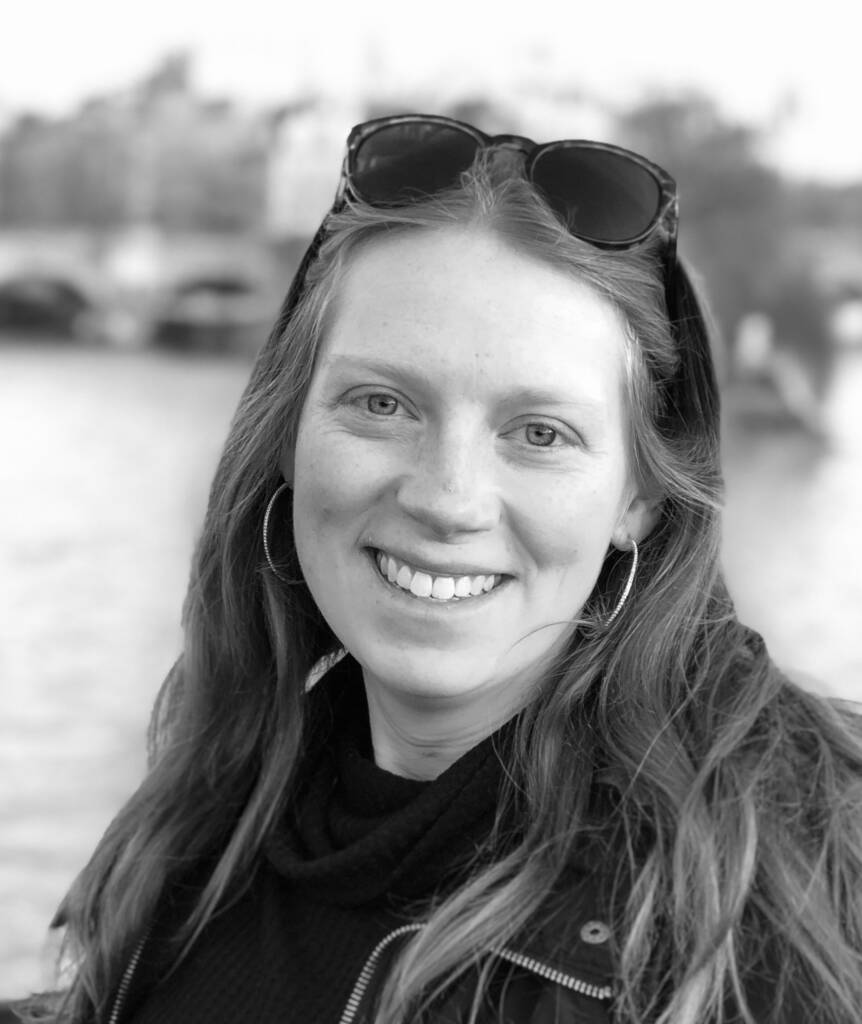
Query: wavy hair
{"x": 737, "y": 797}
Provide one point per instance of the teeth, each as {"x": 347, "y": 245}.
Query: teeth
{"x": 440, "y": 588}
{"x": 443, "y": 588}
{"x": 420, "y": 585}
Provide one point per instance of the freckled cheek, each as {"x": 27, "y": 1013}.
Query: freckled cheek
{"x": 568, "y": 532}
{"x": 331, "y": 485}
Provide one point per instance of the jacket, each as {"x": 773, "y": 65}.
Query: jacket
{"x": 531, "y": 984}
{"x": 561, "y": 974}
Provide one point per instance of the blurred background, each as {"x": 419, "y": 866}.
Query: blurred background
{"x": 161, "y": 169}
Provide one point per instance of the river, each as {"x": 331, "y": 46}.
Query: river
{"x": 106, "y": 460}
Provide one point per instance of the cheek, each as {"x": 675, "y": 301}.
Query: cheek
{"x": 319, "y": 519}
{"x": 332, "y": 484}
{"x": 569, "y": 530}
{"x": 316, "y": 498}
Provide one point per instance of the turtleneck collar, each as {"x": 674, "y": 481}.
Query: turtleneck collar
{"x": 356, "y": 833}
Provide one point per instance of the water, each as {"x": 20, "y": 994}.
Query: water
{"x": 106, "y": 460}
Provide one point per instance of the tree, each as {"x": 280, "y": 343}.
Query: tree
{"x": 732, "y": 206}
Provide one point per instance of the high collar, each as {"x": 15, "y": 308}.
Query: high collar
{"x": 356, "y": 833}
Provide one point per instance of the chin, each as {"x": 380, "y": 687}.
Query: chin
{"x": 451, "y": 677}
{"x": 429, "y": 676}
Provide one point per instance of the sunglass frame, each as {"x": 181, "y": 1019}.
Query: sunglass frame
{"x": 666, "y": 218}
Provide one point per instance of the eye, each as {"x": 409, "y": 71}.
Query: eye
{"x": 381, "y": 405}
{"x": 540, "y": 435}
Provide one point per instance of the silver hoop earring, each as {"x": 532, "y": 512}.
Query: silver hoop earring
{"x": 628, "y": 587}
{"x": 266, "y": 517}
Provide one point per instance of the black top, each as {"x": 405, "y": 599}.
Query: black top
{"x": 362, "y": 852}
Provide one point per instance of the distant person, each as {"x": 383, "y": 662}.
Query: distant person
{"x": 465, "y": 727}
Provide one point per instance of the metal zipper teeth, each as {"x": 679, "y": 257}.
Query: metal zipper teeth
{"x": 578, "y": 985}
{"x": 584, "y": 988}
{"x": 126, "y": 980}
{"x": 351, "y": 1007}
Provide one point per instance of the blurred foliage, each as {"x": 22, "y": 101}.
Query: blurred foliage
{"x": 828, "y": 206}
{"x": 732, "y": 207}
{"x": 753, "y": 235}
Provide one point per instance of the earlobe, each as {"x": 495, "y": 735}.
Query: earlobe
{"x": 638, "y": 522}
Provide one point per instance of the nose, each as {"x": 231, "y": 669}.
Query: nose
{"x": 450, "y": 487}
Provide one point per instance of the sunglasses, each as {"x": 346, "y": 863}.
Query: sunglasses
{"x": 603, "y": 194}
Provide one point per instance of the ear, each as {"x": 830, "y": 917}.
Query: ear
{"x": 637, "y": 521}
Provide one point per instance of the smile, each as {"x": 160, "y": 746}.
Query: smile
{"x": 437, "y": 588}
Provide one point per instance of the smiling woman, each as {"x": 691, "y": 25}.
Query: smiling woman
{"x": 465, "y": 727}
{"x": 461, "y": 480}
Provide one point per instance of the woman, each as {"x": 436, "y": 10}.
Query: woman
{"x": 553, "y": 778}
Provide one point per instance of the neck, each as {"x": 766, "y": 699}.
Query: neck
{"x": 419, "y": 737}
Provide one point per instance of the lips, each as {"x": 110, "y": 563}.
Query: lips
{"x": 437, "y": 587}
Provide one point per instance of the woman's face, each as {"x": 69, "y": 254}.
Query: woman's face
{"x": 461, "y": 464}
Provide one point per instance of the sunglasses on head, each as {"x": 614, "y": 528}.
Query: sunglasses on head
{"x": 603, "y": 194}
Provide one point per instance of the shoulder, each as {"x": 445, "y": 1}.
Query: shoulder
{"x": 789, "y": 792}
{"x": 761, "y": 710}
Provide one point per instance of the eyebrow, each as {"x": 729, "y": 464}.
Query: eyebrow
{"x": 408, "y": 375}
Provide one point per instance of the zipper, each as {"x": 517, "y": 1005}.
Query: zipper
{"x": 351, "y": 1007}
{"x": 126, "y": 980}
{"x": 528, "y": 963}
{"x": 584, "y": 988}
{"x": 348, "y": 1015}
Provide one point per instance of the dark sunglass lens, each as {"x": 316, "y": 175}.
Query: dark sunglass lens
{"x": 601, "y": 196}
{"x": 401, "y": 162}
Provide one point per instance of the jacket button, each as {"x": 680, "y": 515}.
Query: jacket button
{"x": 595, "y": 932}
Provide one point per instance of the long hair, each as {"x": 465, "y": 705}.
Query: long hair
{"x": 736, "y": 796}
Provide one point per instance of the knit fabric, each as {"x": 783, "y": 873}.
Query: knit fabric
{"x": 362, "y": 835}
{"x": 360, "y": 853}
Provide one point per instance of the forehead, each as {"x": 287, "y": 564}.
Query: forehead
{"x": 464, "y": 305}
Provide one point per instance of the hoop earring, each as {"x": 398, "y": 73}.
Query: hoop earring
{"x": 628, "y": 587}
{"x": 266, "y": 517}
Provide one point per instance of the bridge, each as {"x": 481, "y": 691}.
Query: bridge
{"x": 139, "y": 286}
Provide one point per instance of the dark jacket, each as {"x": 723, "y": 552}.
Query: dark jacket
{"x": 530, "y": 982}
{"x": 561, "y": 973}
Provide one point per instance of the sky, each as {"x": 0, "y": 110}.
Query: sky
{"x": 795, "y": 69}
